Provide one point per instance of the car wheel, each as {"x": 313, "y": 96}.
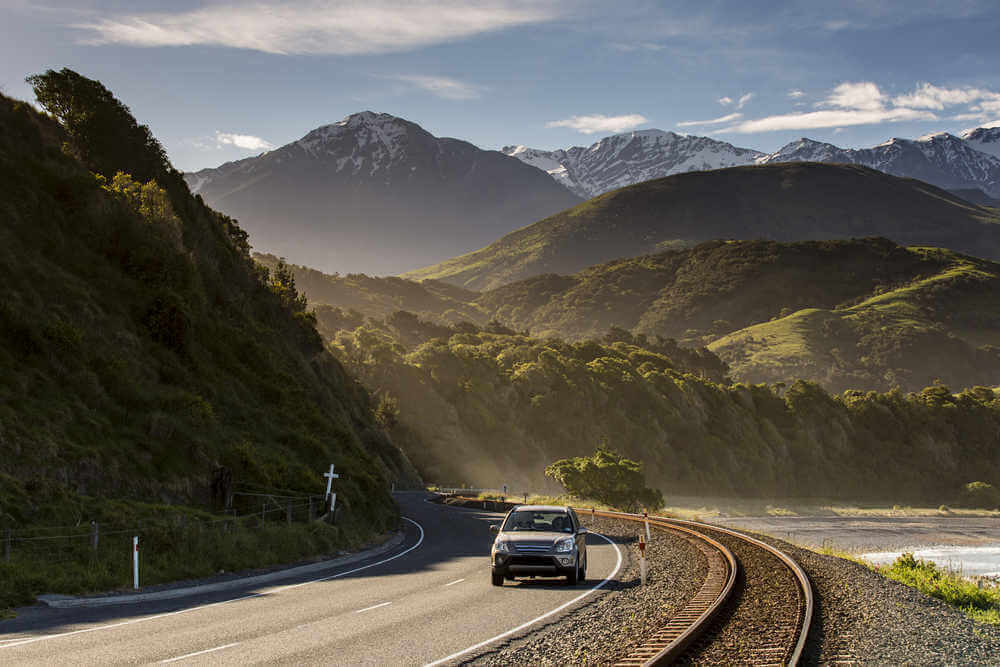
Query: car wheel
{"x": 497, "y": 579}
{"x": 582, "y": 575}
{"x": 573, "y": 575}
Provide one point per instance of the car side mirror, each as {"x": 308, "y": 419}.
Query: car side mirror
{"x": 581, "y": 531}
{"x": 494, "y": 528}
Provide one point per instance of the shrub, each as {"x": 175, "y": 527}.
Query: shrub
{"x": 980, "y": 495}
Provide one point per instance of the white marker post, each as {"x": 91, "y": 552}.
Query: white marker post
{"x": 332, "y": 497}
{"x": 135, "y": 562}
{"x": 642, "y": 560}
{"x": 645, "y": 516}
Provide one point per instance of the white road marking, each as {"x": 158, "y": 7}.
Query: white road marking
{"x": 618, "y": 566}
{"x": 457, "y": 581}
{"x": 191, "y": 655}
{"x": 374, "y": 606}
{"x": 214, "y": 604}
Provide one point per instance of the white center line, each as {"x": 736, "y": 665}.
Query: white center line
{"x": 191, "y": 655}
{"x": 359, "y": 611}
{"x": 457, "y": 581}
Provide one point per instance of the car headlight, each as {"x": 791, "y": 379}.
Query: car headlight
{"x": 562, "y": 546}
{"x": 501, "y": 546}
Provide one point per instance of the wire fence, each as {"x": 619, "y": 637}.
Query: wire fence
{"x": 97, "y": 542}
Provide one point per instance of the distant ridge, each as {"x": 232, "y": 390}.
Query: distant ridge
{"x": 781, "y": 202}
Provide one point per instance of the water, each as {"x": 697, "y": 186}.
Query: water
{"x": 967, "y": 561}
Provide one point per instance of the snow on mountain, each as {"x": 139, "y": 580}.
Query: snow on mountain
{"x": 984, "y": 139}
{"x": 941, "y": 159}
{"x": 632, "y": 157}
{"x": 378, "y": 194}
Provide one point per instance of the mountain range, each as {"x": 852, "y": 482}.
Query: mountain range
{"x": 786, "y": 201}
{"x": 377, "y": 193}
{"x": 969, "y": 162}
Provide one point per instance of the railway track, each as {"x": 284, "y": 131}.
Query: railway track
{"x": 754, "y": 593}
{"x": 754, "y": 607}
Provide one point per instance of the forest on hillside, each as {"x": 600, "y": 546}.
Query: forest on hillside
{"x": 489, "y": 406}
{"x": 142, "y": 351}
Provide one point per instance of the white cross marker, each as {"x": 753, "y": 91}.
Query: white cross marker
{"x": 330, "y": 476}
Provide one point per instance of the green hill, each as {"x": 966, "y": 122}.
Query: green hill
{"x": 782, "y": 202}
{"x": 142, "y": 350}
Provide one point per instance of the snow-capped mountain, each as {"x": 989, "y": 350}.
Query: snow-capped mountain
{"x": 632, "y": 157}
{"x": 941, "y": 159}
{"x": 984, "y": 140}
{"x": 970, "y": 162}
{"x": 376, "y": 193}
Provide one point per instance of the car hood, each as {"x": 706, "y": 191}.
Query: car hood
{"x": 533, "y": 536}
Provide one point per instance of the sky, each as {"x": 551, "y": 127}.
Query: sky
{"x": 222, "y": 80}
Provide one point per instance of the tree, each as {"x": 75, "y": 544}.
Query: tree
{"x": 103, "y": 133}
{"x": 607, "y": 477}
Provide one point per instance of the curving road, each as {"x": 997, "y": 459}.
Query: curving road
{"x": 430, "y": 600}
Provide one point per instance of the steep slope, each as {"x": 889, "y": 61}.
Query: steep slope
{"x": 984, "y": 139}
{"x": 941, "y": 159}
{"x": 141, "y": 349}
{"x": 379, "y": 194}
{"x": 632, "y": 157}
{"x": 783, "y": 202}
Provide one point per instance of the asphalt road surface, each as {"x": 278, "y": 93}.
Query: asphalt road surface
{"x": 429, "y": 600}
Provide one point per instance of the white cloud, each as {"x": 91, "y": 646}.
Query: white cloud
{"x": 725, "y": 101}
{"x": 442, "y": 86}
{"x": 829, "y": 118}
{"x": 928, "y": 96}
{"x": 743, "y": 100}
{"x": 862, "y": 95}
{"x": 600, "y": 123}
{"x": 715, "y": 121}
{"x": 796, "y": 94}
{"x": 626, "y": 47}
{"x": 244, "y": 141}
{"x": 317, "y": 26}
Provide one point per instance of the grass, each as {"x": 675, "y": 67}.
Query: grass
{"x": 175, "y": 544}
{"x": 979, "y": 602}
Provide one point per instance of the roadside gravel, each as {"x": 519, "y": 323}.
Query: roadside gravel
{"x": 862, "y": 617}
{"x": 606, "y": 627}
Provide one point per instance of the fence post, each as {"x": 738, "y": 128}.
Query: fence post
{"x": 135, "y": 562}
{"x": 288, "y": 512}
{"x": 94, "y": 535}
{"x": 6, "y": 545}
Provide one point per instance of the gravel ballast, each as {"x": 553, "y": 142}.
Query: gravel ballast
{"x": 863, "y": 617}
{"x": 607, "y": 626}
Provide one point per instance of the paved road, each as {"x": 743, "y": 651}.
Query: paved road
{"x": 429, "y": 600}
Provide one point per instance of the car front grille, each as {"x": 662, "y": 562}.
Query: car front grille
{"x": 531, "y": 560}
{"x": 532, "y": 547}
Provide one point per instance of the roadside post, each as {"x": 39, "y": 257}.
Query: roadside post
{"x": 331, "y": 497}
{"x": 135, "y": 562}
{"x": 642, "y": 559}
{"x": 645, "y": 517}
{"x": 95, "y": 534}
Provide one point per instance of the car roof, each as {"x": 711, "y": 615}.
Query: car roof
{"x": 542, "y": 508}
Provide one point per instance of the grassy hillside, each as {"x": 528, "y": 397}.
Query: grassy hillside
{"x": 852, "y": 314}
{"x": 783, "y": 202}
{"x": 943, "y": 325}
{"x": 141, "y": 348}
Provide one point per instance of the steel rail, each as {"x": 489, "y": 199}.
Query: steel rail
{"x": 669, "y": 643}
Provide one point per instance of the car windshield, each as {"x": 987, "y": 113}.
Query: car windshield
{"x": 549, "y": 521}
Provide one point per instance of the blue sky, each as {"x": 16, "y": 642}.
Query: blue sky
{"x": 217, "y": 81}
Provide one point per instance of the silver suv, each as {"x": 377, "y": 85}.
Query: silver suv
{"x": 539, "y": 540}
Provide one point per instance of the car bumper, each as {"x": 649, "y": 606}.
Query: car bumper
{"x": 511, "y": 565}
